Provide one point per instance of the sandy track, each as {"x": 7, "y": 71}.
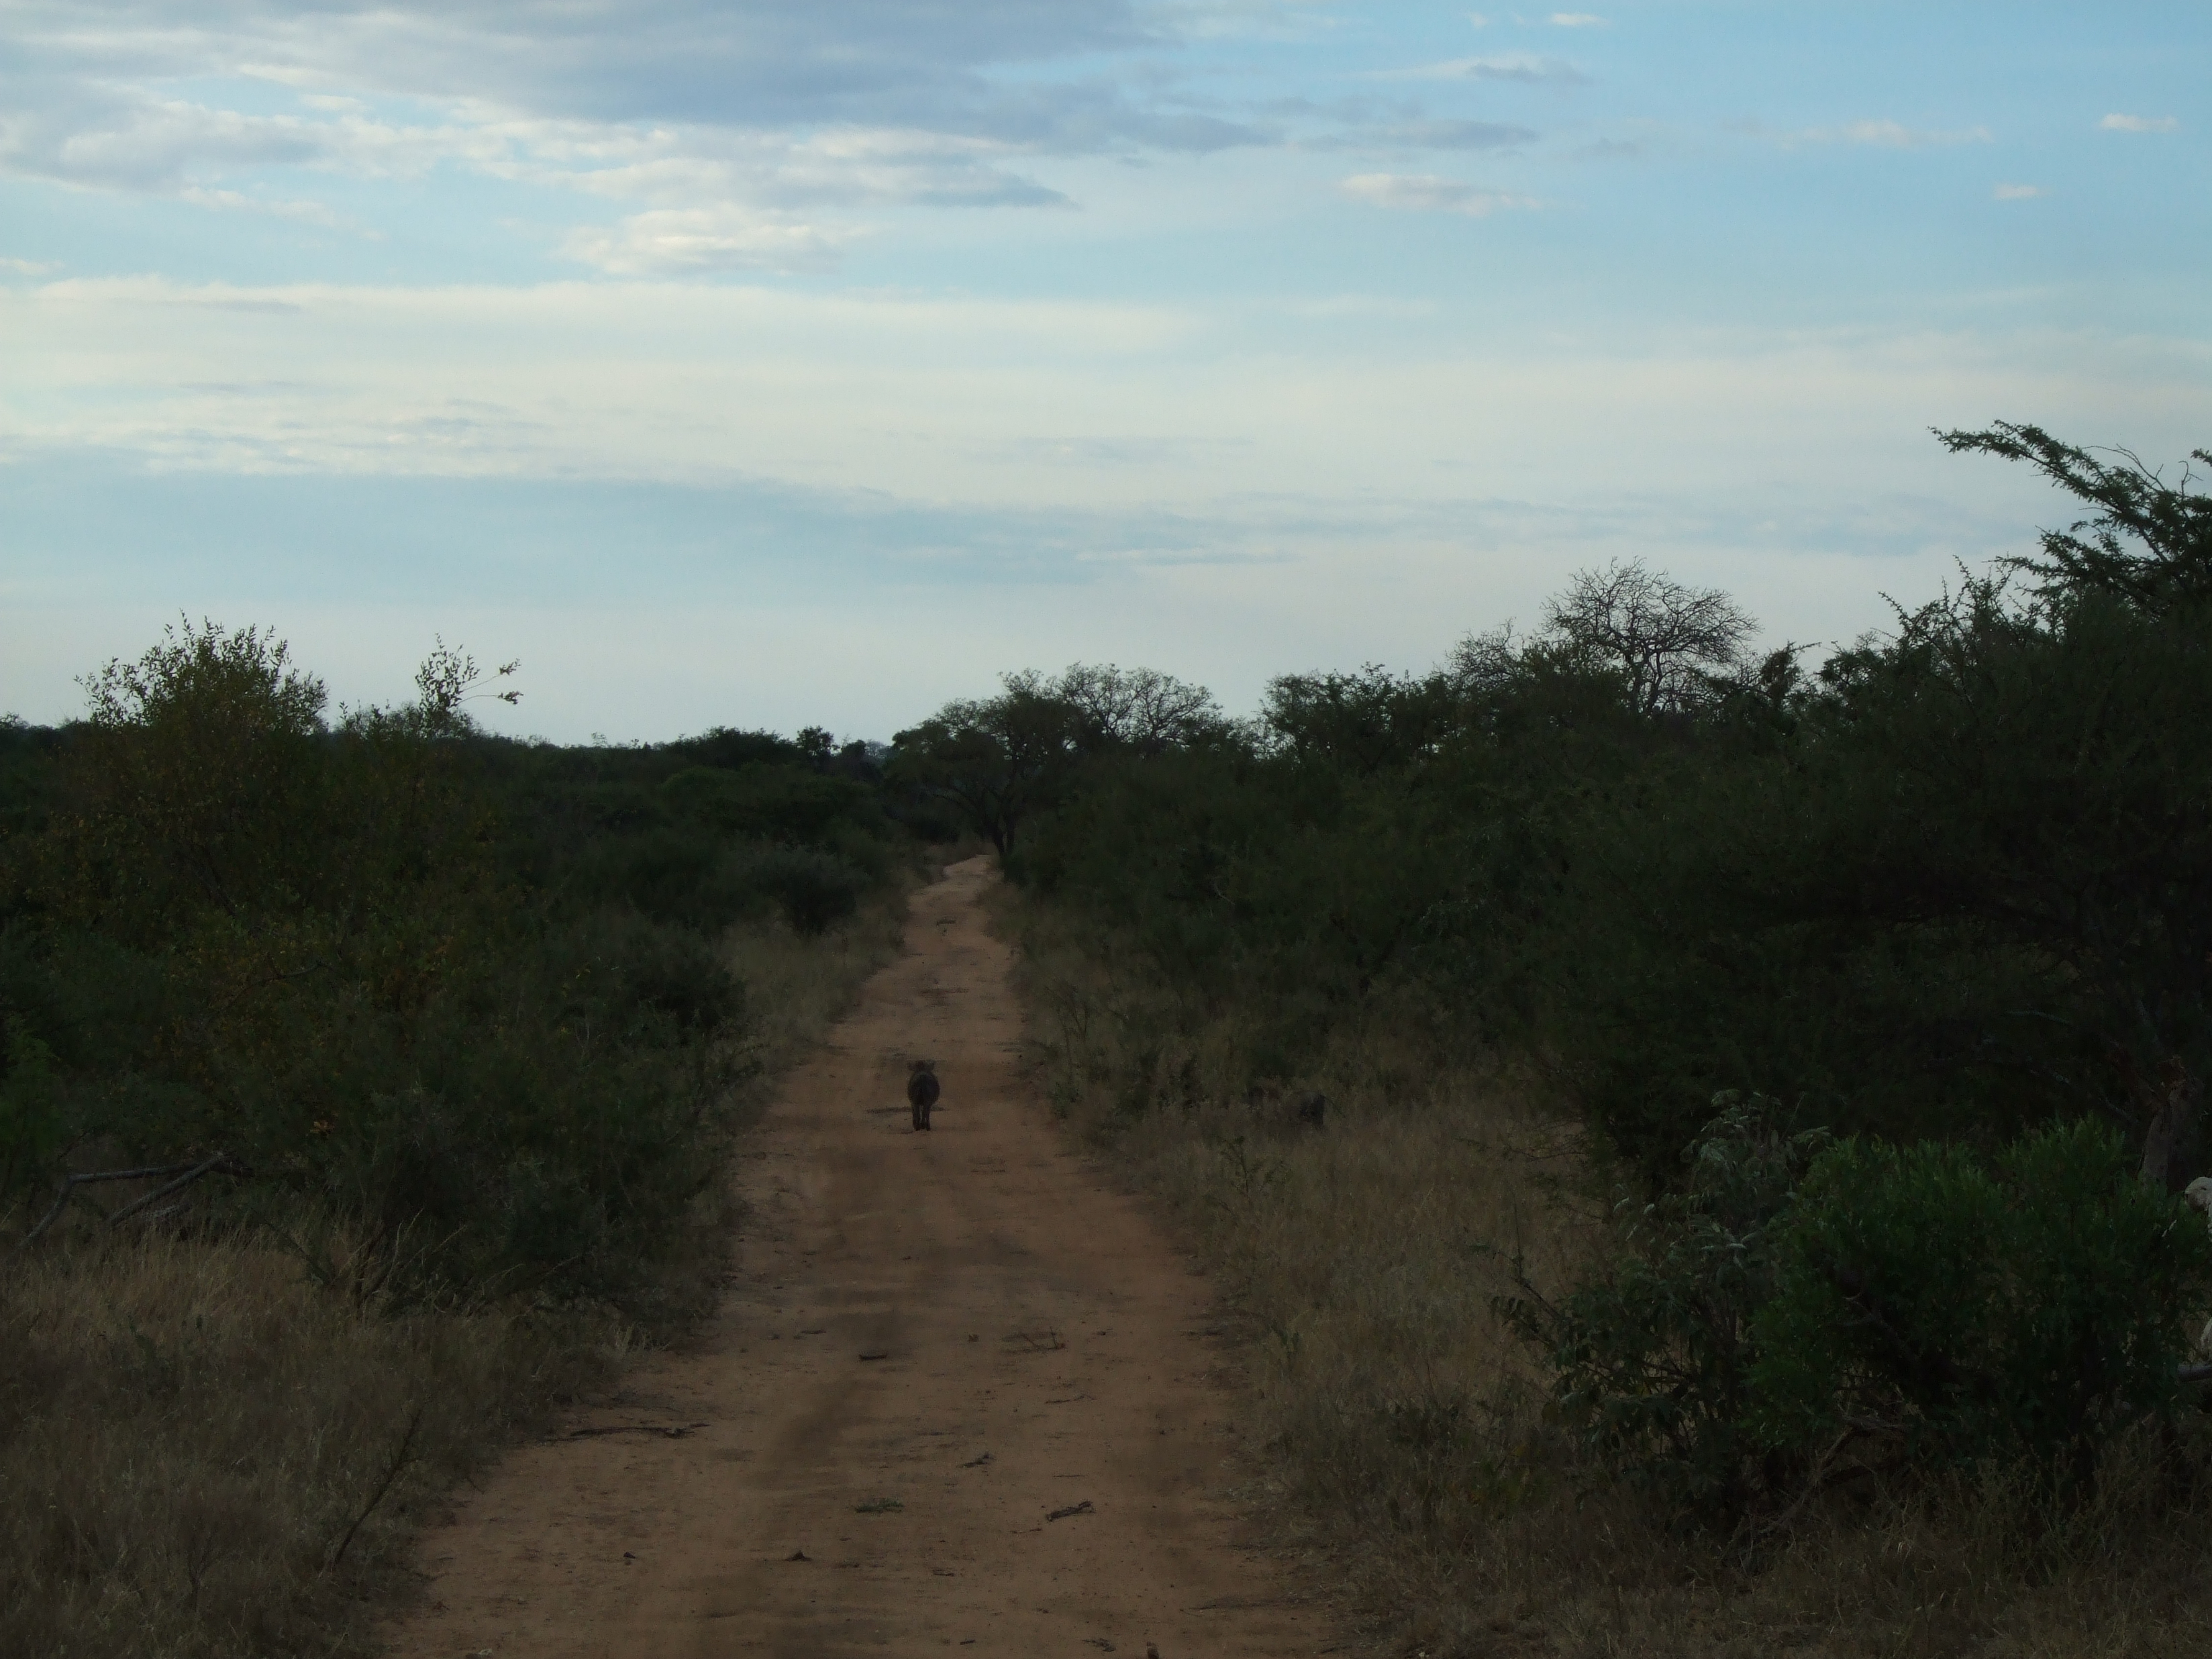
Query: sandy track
{"x": 1044, "y": 1349}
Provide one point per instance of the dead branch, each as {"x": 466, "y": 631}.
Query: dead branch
{"x": 61, "y": 1203}
{"x": 222, "y": 1161}
{"x": 180, "y": 1176}
{"x": 400, "y": 1460}
{"x": 153, "y": 1173}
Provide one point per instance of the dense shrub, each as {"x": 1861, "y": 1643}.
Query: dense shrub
{"x": 463, "y": 996}
{"x": 1653, "y": 1361}
{"x": 2029, "y": 1310}
{"x": 1949, "y": 889}
{"x": 1957, "y": 882}
{"x": 1800, "y": 1308}
{"x": 815, "y": 888}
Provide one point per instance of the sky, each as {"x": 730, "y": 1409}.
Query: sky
{"x": 777, "y": 362}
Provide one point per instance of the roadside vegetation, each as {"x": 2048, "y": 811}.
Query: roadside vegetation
{"x": 365, "y": 1085}
{"x": 1699, "y": 1138}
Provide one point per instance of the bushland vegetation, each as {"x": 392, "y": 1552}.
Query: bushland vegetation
{"x": 1699, "y": 1135}
{"x": 364, "y": 1085}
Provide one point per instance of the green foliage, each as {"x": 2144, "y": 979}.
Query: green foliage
{"x": 1950, "y": 890}
{"x": 775, "y": 803}
{"x": 997, "y": 761}
{"x": 1798, "y": 1305}
{"x": 459, "y": 996}
{"x": 1653, "y": 1361}
{"x": 1957, "y": 882}
{"x": 2028, "y": 1311}
{"x": 2149, "y": 543}
{"x": 195, "y": 773}
{"x": 1361, "y": 723}
{"x": 815, "y": 888}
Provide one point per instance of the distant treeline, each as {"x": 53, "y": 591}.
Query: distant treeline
{"x": 459, "y": 993}
{"x": 1952, "y": 883}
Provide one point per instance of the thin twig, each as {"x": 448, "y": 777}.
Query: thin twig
{"x": 399, "y": 1461}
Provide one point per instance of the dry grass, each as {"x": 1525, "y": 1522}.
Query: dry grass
{"x": 192, "y": 1431}
{"x": 1406, "y": 1446}
{"x": 203, "y": 1452}
{"x": 796, "y": 986}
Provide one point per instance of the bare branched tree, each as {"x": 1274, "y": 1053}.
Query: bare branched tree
{"x": 1668, "y": 640}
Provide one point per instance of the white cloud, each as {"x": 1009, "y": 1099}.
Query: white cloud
{"x": 717, "y": 198}
{"x": 674, "y": 241}
{"x": 2140, "y": 124}
{"x": 1892, "y": 135}
{"x": 312, "y": 213}
{"x": 1502, "y": 66}
{"x": 1429, "y": 193}
{"x": 27, "y": 267}
{"x": 1880, "y": 134}
{"x": 1577, "y": 20}
{"x": 755, "y": 120}
{"x": 1433, "y": 135}
{"x": 1407, "y": 484}
{"x": 2018, "y": 192}
{"x": 780, "y": 127}
{"x": 762, "y": 65}
{"x": 1266, "y": 20}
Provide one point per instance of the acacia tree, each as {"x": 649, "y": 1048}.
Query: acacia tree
{"x": 1140, "y": 709}
{"x": 1668, "y": 640}
{"x": 994, "y": 759}
{"x": 2151, "y": 542}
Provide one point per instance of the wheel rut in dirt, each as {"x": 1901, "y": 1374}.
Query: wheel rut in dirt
{"x": 960, "y": 1394}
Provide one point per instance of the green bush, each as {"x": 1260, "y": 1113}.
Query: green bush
{"x": 814, "y": 888}
{"x": 2026, "y": 1311}
{"x": 462, "y": 998}
{"x": 787, "y": 803}
{"x": 1653, "y": 1361}
{"x": 1798, "y": 1301}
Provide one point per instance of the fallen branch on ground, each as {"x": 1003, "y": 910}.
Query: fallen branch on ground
{"x": 183, "y": 1176}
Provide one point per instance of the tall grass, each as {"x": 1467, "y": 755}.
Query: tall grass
{"x": 213, "y": 1444}
{"x": 205, "y": 1453}
{"x": 1407, "y": 1442}
{"x": 797, "y": 984}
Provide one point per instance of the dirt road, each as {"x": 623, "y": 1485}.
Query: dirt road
{"x": 934, "y": 1344}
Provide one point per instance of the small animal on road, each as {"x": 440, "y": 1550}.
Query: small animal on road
{"x": 921, "y": 1090}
